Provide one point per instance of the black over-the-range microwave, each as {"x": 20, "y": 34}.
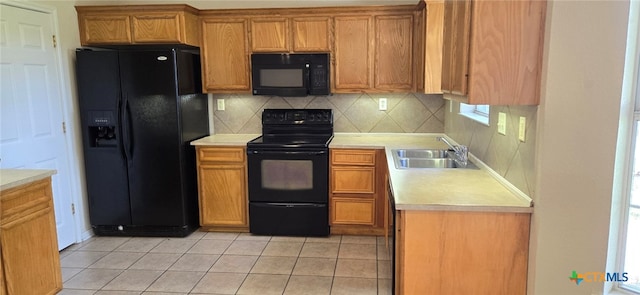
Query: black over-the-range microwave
{"x": 290, "y": 74}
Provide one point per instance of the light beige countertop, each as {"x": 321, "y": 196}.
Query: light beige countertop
{"x": 10, "y": 178}
{"x": 225, "y": 139}
{"x": 420, "y": 189}
{"x": 434, "y": 189}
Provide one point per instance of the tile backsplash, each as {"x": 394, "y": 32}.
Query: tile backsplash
{"x": 406, "y": 112}
{"x": 505, "y": 154}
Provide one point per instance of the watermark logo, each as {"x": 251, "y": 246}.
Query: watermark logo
{"x": 576, "y": 278}
{"x": 596, "y": 276}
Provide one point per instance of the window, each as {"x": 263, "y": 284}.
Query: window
{"x": 478, "y": 113}
{"x": 631, "y": 235}
{"x": 627, "y": 210}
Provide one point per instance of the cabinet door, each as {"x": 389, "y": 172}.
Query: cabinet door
{"x": 223, "y": 198}
{"x": 29, "y": 243}
{"x": 157, "y": 28}
{"x": 269, "y": 35}
{"x": 353, "y": 180}
{"x": 433, "y": 46}
{"x": 353, "y": 51}
{"x": 505, "y": 52}
{"x": 224, "y": 55}
{"x": 105, "y": 29}
{"x": 311, "y": 34}
{"x": 455, "y": 48}
{"x": 352, "y": 211}
{"x": 394, "y": 48}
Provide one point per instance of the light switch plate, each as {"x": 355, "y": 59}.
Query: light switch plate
{"x": 502, "y": 123}
{"x": 522, "y": 128}
{"x": 220, "y": 103}
{"x": 382, "y": 104}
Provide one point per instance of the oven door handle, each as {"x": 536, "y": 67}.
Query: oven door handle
{"x": 310, "y": 153}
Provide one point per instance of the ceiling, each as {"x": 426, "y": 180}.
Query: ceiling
{"x": 221, "y": 4}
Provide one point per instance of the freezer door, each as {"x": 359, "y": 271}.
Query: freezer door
{"x": 98, "y": 82}
{"x": 152, "y": 137}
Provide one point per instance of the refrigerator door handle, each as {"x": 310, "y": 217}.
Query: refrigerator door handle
{"x": 120, "y": 136}
{"x": 126, "y": 130}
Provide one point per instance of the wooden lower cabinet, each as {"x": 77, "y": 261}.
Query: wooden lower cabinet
{"x": 222, "y": 188}
{"x": 356, "y": 185}
{"x": 28, "y": 241}
{"x": 450, "y": 252}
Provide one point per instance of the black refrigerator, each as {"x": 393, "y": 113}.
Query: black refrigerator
{"x": 140, "y": 107}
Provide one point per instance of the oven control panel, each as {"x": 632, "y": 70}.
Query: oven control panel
{"x": 297, "y": 116}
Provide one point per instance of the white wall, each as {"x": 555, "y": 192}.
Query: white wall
{"x": 577, "y": 130}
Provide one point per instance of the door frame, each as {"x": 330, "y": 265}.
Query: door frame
{"x": 82, "y": 230}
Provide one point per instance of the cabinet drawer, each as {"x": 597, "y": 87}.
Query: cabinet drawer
{"x": 221, "y": 154}
{"x": 353, "y": 180}
{"x": 352, "y": 211}
{"x": 25, "y": 200}
{"x": 353, "y": 157}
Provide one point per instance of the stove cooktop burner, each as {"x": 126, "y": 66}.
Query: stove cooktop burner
{"x": 295, "y": 128}
{"x": 291, "y": 141}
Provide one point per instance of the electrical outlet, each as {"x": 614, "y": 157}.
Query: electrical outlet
{"x": 382, "y": 104}
{"x": 220, "y": 102}
{"x": 522, "y": 128}
{"x": 502, "y": 123}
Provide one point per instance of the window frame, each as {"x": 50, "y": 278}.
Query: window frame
{"x": 478, "y": 113}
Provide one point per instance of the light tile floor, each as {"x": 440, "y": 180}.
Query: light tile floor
{"x": 227, "y": 263}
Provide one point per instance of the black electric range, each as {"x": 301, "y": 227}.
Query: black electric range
{"x": 288, "y": 168}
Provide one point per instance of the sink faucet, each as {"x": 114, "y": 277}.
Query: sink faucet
{"x": 461, "y": 152}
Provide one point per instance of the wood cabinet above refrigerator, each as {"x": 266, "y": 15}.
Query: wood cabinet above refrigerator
{"x": 138, "y": 24}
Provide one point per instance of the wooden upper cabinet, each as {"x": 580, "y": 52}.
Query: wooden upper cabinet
{"x": 352, "y": 53}
{"x": 432, "y": 34}
{"x": 138, "y": 24}
{"x": 290, "y": 34}
{"x": 492, "y": 51}
{"x": 269, "y": 35}
{"x": 394, "y": 52}
{"x": 225, "y": 59}
{"x": 104, "y": 29}
{"x": 455, "y": 52}
{"x": 311, "y": 34}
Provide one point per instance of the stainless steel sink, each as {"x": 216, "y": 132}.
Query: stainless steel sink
{"x": 425, "y": 158}
{"x": 420, "y": 153}
{"x": 403, "y": 163}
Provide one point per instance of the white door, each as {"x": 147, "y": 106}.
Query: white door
{"x": 31, "y": 111}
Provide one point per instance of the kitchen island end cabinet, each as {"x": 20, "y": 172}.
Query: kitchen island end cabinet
{"x": 30, "y": 261}
{"x": 356, "y": 188}
{"x": 222, "y": 188}
{"x": 461, "y": 252}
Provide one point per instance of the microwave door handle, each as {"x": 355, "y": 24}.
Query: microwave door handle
{"x": 307, "y": 77}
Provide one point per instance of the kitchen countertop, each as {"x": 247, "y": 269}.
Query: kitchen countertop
{"x": 421, "y": 189}
{"x": 10, "y": 178}
{"x": 225, "y": 139}
{"x": 473, "y": 189}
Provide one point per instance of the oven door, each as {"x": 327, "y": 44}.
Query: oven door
{"x": 299, "y": 176}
